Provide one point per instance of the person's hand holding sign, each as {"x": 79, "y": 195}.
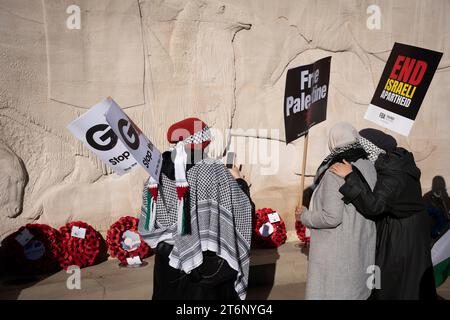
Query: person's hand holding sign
{"x": 235, "y": 172}
{"x": 341, "y": 169}
{"x": 298, "y": 212}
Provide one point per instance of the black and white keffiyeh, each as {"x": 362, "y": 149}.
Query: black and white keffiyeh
{"x": 372, "y": 150}
{"x": 182, "y": 185}
{"x": 339, "y": 150}
{"x": 350, "y": 152}
{"x": 199, "y": 137}
{"x": 220, "y": 221}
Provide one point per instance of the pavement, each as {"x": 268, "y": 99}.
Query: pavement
{"x": 275, "y": 275}
{"x": 108, "y": 281}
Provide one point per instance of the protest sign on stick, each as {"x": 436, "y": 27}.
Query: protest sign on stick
{"x": 402, "y": 87}
{"x": 303, "y": 171}
{"x": 305, "y": 104}
{"x": 110, "y": 134}
{"x": 139, "y": 146}
{"x": 92, "y": 129}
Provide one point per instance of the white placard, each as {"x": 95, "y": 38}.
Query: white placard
{"x": 78, "y": 232}
{"x": 274, "y": 217}
{"x": 402, "y": 87}
{"x": 266, "y": 229}
{"x": 24, "y": 237}
{"x": 140, "y": 147}
{"x": 136, "y": 260}
{"x": 389, "y": 120}
{"x": 92, "y": 129}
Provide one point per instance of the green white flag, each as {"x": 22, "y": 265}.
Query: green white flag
{"x": 440, "y": 255}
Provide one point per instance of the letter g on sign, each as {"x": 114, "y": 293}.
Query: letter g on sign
{"x": 130, "y": 134}
{"x": 109, "y": 137}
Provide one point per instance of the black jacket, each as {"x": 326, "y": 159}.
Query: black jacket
{"x": 403, "y": 242}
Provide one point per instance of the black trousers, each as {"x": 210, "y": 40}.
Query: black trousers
{"x": 213, "y": 280}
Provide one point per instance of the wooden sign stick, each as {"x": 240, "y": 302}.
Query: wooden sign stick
{"x": 302, "y": 183}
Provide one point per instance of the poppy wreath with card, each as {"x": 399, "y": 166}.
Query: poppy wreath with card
{"x": 268, "y": 234}
{"x": 81, "y": 250}
{"x": 36, "y": 252}
{"x": 301, "y": 232}
{"x": 124, "y": 240}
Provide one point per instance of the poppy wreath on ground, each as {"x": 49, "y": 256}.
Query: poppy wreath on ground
{"x": 124, "y": 241}
{"x": 33, "y": 249}
{"x": 265, "y": 233}
{"x": 80, "y": 244}
{"x": 301, "y": 232}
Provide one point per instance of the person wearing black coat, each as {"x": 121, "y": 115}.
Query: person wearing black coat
{"x": 403, "y": 251}
{"x": 214, "y": 278}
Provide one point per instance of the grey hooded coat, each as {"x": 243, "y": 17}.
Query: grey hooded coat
{"x": 342, "y": 248}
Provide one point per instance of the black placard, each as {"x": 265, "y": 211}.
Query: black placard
{"x": 405, "y": 79}
{"x": 305, "y": 98}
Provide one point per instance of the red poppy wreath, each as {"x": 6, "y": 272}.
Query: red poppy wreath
{"x": 301, "y": 232}
{"x": 80, "y": 244}
{"x": 124, "y": 241}
{"x": 33, "y": 249}
{"x": 269, "y": 230}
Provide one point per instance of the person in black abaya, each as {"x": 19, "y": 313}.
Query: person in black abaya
{"x": 403, "y": 251}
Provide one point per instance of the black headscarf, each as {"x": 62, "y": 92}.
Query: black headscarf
{"x": 379, "y": 138}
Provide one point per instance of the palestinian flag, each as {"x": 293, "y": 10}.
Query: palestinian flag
{"x": 440, "y": 255}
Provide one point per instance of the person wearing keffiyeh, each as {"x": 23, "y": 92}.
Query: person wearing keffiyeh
{"x": 197, "y": 217}
{"x": 403, "y": 240}
{"x": 342, "y": 243}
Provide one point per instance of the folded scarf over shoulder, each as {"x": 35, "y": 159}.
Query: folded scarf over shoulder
{"x": 350, "y": 153}
{"x": 346, "y": 144}
{"x": 220, "y": 216}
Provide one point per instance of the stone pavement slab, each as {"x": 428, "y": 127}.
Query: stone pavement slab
{"x": 277, "y": 274}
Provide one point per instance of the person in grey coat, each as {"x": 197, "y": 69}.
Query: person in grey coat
{"x": 342, "y": 248}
